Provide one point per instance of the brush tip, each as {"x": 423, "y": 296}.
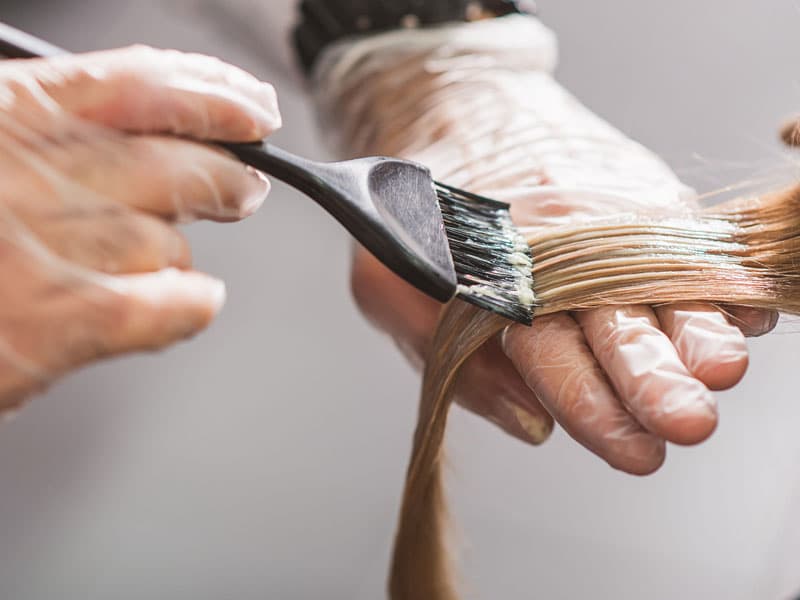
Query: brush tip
{"x": 492, "y": 260}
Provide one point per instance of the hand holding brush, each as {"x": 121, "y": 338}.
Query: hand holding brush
{"x": 93, "y": 178}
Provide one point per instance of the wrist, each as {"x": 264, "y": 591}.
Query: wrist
{"x": 325, "y": 23}
{"x": 367, "y": 89}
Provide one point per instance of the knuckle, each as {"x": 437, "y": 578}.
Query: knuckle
{"x": 121, "y": 322}
{"x": 136, "y": 242}
{"x": 614, "y": 337}
{"x": 137, "y": 323}
{"x": 86, "y": 338}
{"x": 201, "y": 57}
{"x": 210, "y": 66}
{"x": 138, "y": 229}
{"x": 532, "y": 374}
{"x": 551, "y": 342}
{"x": 88, "y": 348}
{"x": 144, "y": 149}
{"x": 122, "y": 244}
{"x": 155, "y": 246}
{"x": 622, "y": 332}
{"x": 116, "y": 313}
{"x": 175, "y": 251}
{"x": 138, "y": 52}
{"x": 134, "y": 66}
{"x": 578, "y": 395}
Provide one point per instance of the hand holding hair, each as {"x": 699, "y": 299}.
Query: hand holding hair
{"x": 636, "y": 318}
{"x": 621, "y": 380}
{"x": 93, "y": 184}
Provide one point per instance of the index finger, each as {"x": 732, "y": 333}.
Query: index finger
{"x": 646, "y": 371}
{"x": 556, "y": 363}
{"x": 144, "y": 90}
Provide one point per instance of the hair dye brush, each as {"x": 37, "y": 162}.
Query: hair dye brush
{"x": 444, "y": 241}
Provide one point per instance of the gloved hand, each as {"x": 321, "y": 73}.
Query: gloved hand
{"x": 91, "y": 264}
{"x": 477, "y": 103}
{"x": 620, "y": 380}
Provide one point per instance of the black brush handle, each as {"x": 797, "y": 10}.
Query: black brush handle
{"x": 388, "y": 205}
{"x": 301, "y": 173}
{"x": 361, "y": 194}
{"x": 338, "y": 187}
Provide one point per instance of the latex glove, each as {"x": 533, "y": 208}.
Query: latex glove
{"x": 477, "y": 103}
{"x": 91, "y": 264}
{"x": 621, "y": 380}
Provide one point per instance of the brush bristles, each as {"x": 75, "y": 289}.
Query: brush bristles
{"x": 492, "y": 260}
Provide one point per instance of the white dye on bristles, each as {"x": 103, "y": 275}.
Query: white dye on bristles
{"x": 492, "y": 259}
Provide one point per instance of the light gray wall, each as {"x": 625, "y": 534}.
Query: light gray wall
{"x": 265, "y": 458}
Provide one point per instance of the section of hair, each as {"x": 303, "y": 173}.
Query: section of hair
{"x": 745, "y": 252}
{"x": 422, "y": 566}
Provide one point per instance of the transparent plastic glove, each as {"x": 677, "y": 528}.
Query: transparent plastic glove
{"x": 92, "y": 181}
{"x": 621, "y": 380}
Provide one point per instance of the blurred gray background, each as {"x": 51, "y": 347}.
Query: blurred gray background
{"x": 265, "y": 458}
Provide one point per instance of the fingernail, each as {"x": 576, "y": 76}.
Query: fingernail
{"x": 503, "y": 336}
{"x": 216, "y": 293}
{"x": 755, "y": 323}
{"x": 537, "y": 428}
{"x": 198, "y": 287}
{"x": 269, "y": 101}
{"x": 264, "y": 110}
{"x": 209, "y": 295}
{"x": 255, "y": 196}
{"x": 770, "y": 322}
